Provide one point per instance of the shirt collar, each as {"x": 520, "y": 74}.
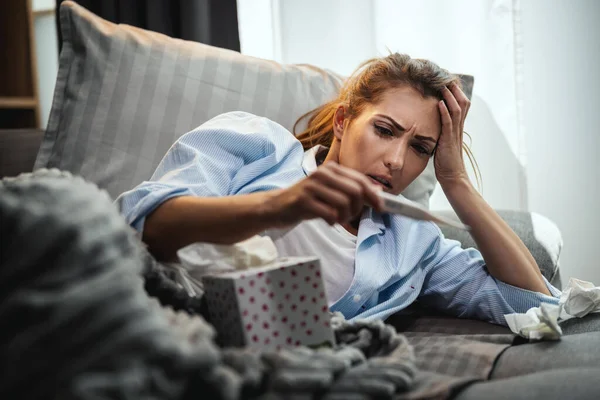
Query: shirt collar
{"x": 309, "y": 163}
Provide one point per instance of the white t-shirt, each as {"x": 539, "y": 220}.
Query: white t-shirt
{"x": 334, "y": 245}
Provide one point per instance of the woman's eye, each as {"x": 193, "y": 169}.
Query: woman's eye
{"x": 421, "y": 149}
{"x": 384, "y": 131}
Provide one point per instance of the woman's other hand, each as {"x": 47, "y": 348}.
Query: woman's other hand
{"x": 449, "y": 163}
{"x": 333, "y": 192}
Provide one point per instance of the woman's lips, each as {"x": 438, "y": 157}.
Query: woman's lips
{"x": 378, "y": 183}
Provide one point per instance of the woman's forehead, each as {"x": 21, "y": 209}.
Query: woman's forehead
{"x": 410, "y": 108}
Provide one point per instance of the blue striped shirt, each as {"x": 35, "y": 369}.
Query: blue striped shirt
{"x": 398, "y": 259}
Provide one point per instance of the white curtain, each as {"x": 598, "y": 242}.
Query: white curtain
{"x": 477, "y": 37}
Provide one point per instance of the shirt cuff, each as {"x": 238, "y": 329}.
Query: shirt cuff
{"x": 521, "y": 300}
{"x": 136, "y": 210}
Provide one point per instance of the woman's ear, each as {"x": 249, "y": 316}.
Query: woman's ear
{"x": 338, "y": 122}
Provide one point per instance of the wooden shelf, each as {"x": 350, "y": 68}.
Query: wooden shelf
{"x": 19, "y": 98}
{"x": 18, "y": 102}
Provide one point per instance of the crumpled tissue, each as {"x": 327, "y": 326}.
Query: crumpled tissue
{"x": 537, "y": 323}
{"x": 200, "y": 259}
{"x": 579, "y": 299}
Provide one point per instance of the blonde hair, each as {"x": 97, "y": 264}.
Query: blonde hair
{"x": 367, "y": 85}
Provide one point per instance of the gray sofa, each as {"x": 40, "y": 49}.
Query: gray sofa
{"x": 426, "y": 329}
{"x": 124, "y": 95}
{"x": 78, "y": 323}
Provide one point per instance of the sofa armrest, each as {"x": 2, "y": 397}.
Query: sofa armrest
{"x": 541, "y": 236}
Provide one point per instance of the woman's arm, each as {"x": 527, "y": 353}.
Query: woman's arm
{"x": 506, "y": 257}
{"x": 183, "y": 220}
{"x": 333, "y": 192}
{"x": 192, "y": 195}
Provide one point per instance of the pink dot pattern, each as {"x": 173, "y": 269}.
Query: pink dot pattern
{"x": 271, "y": 307}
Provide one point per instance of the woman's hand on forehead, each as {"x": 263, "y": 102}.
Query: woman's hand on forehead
{"x": 449, "y": 162}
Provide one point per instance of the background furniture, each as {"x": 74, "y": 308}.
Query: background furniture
{"x": 19, "y": 100}
{"x": 18, "y": 150}
{"x": 212, "y": 22}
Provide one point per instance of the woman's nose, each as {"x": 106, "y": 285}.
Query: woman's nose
{"x": 395, "y": 157}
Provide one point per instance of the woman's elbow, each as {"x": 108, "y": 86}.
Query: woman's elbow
{"x": 156, "y": 237}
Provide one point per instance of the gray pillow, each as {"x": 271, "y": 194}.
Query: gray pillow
{"x": 541, "y": 236}
{"x": 123, "y": 96}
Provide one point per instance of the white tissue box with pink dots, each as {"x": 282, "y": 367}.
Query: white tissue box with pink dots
{"x": 282, "y": 304}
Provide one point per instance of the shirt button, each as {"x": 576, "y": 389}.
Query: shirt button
{"x": 356, "y": 298}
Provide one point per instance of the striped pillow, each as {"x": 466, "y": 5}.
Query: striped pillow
{"x": 123, "y": 96}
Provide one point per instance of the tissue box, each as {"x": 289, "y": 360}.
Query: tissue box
{"x": 282, "y": 304}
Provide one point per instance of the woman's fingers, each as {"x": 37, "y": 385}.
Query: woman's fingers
{"x": 333, "y": 193}
{"x": 318, "y": 209}
{"x": 339, "y": 200}
{"x": 459, "y": 95}
{"x": 330, "y": 176}
{"x": 352, "y": 183}
{"x": 453, "y": 107}
{"x": 446, "y": 118}
{"x": 344, "y": 190}
{"x": 369, "y": 189}
{"x": 462, "y": 100}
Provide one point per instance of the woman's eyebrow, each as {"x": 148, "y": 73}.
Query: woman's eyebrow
{"x": 401, "y": 128}
{"x": 394, "y": 122}
{"x": 426, "y": 138}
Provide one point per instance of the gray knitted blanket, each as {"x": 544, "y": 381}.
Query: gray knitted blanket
{"x": 77, "y": 322}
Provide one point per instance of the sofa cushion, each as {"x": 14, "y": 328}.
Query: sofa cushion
{"x": 124, "y": 95}
{"x": 541, "y": 236}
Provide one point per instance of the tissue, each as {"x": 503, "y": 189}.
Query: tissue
{"x": 579, "y": 299}
{"x": 200, "y": 259}
{"x": 537, "y": 323}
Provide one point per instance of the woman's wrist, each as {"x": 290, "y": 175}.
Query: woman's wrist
{"x": 464, "y": 199}
{"x": 268, "y": 209}
{"x": 456, "y": 186}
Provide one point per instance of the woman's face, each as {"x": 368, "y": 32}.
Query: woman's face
{"x": 392, "y": 141}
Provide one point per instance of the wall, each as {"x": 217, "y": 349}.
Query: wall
{"x": 258, "y": 27}
{"x": 335, "y": 34}
{"x": 562, "y": 122}
{"x": 46, "y": 45}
